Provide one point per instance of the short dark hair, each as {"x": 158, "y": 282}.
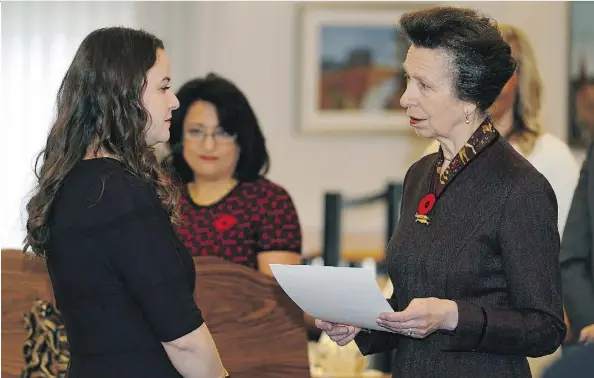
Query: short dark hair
{"x": 482, "y": 60}
{"x": 236, "y": 117}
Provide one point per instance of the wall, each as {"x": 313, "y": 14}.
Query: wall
{"x": 39, "y": 40}
{"x": 254, "y": 44}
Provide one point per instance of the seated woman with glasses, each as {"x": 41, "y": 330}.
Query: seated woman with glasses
{"x": 219, "y": 156}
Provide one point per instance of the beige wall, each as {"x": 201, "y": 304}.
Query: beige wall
{"x": 254, "y": 44}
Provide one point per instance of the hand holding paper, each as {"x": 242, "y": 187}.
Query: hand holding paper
{"x": 348, "y": 296}
{"x": 340, "y": 334}
{"x": 422, "y": 317}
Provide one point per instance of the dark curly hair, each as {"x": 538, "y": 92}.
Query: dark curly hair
{"x": 236, "y": 117}
{"x": 99, "y": 106}
{"x": 482, "y": 60}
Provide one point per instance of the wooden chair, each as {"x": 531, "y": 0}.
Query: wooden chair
{"x": 258, "y": 330}
{"x": 31, "y": 332}
{"x": 335, "y": 204}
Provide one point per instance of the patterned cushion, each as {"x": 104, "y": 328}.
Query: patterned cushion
{"x": 46, "y": 348}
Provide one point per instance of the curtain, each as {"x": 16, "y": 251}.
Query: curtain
{"x": 39, "y": 40}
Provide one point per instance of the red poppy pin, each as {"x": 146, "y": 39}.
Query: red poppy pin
{"x": 425, "y": 206}
{"x": 224, "y": 222}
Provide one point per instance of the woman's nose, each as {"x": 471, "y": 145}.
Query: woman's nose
{"x": 406, "y": 100}
{"x": 174, "y": 103}
{"x": 209, "y": 142}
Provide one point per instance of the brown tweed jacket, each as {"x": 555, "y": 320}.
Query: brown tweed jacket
{"x": 493, "y": 247}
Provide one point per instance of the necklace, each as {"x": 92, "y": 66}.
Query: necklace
{"x": 196, "y": 198}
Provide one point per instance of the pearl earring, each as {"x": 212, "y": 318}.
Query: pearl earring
{"x": 466, "y": 116}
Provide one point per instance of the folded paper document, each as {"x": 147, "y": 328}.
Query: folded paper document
{"x": 341, "y": 295}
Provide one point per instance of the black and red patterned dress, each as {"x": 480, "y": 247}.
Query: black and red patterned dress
{"x": 254, "y": 217}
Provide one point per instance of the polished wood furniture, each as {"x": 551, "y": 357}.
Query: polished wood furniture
{"x": 258, "y": 330}
{"x": 24, "y": 280}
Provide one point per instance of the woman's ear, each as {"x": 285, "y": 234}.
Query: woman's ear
{"x": 469, "y": 111}
{"x": 469, "y": 108}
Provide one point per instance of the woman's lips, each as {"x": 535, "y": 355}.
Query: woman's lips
{"x": 413, "y": 121}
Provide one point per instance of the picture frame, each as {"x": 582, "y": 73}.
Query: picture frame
{"x": 580, "y": 107}
{"x": 349, "y": 64}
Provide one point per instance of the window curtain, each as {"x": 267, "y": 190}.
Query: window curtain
{"x": 39, "y": 40}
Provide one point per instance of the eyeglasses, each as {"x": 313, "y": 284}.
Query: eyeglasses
{"x": 219, "y": 136}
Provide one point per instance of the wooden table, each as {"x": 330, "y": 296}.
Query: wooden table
{"x": 355, "y": 246}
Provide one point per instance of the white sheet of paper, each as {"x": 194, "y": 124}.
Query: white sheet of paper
{"x": 347, "y": 296}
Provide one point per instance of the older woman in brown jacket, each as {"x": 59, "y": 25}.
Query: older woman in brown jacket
{"x": 475, "y": 257}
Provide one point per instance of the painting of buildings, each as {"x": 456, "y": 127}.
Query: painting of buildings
{"x": 360, "y": 68}
{"x": 349, "y": 75}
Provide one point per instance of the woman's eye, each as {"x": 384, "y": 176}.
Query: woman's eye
{"x": 423, "y": 85}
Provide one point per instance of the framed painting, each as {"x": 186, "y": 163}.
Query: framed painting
{"x": 350, "y": 77}
{"x": 581, "y": 74}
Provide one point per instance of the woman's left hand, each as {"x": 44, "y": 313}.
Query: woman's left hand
{"x": 422, "y": 317}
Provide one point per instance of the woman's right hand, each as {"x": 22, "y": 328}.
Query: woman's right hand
{"x": 340, "y": 334}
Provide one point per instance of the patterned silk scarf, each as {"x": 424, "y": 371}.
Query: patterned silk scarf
{"x": 482, "y": 137}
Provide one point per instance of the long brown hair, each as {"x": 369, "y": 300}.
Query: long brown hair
{"x": 99, "y": 106}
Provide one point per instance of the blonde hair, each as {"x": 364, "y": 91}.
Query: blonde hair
{"x": 526, "y": 110}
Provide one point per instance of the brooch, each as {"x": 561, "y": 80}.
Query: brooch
{"x": 425, "y": 206}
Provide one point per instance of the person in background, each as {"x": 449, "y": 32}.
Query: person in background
{"x": 229, "y": 209}
{"x": 219, "y": 157}
{"x": 516, "y": 115}
{"x": 577, "y": 258}
{"x": 577, "y": 364}
{"x": 102, "y": 215}
{"x": 474, "y": 260}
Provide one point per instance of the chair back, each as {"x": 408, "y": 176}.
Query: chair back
{"x": 258, "y": 330}
{"x": 335, "y": 204}
{"x": 27, "y": 307}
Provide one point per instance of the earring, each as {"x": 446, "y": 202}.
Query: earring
{"x": 467, "y": 120}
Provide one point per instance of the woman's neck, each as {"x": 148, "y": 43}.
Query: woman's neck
{"x": 452, "y": 144}
{"x": 206, "y": 192}
{"x": 93, "y": 154}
